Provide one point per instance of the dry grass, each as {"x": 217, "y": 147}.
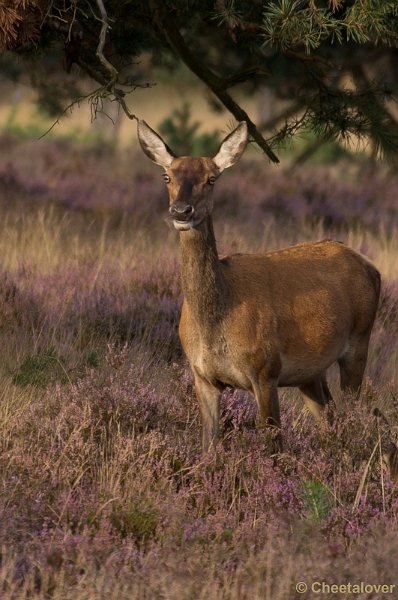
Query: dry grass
{"x": 102, "y": 490}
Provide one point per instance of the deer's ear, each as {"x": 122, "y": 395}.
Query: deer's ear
{"x": 232, "y": 147}
{"x": 153, "y": 145}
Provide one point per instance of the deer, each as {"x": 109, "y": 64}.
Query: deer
{"x": 258, "y": 322}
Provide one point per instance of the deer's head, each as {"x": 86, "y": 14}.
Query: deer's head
{"x": 190, "y": 180}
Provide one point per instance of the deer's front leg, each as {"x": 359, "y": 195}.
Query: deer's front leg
{"x": 209, "y": 403}
{"x": 266, "y": 394}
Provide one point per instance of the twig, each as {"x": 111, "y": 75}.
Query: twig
{"x": 381, "y": 468}
{"x": 102, "y": 39}
{"x": 93, "y": 98}
{"x": 363, "y": 478}
{"x": 67, "y": 109}
{"x": 68, "y": 39}
{"x": 110, "y": 85}
{"x": 290, "y": 127}
{"x": 125, "y": 108}
{"x": 291, "y": 110}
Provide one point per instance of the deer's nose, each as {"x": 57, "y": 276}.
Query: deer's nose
{"x": 181, "y": 212}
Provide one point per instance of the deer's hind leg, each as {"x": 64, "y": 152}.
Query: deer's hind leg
{"x": 352, "y": 364}
{"x": 316, "y": 395}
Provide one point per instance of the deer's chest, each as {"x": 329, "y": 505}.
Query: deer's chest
{"x": 215, "y": 358}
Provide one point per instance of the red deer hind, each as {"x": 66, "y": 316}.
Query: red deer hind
{"x": 260, "y": 321}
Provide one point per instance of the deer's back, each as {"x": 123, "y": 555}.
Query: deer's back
{"x": 298, "y": 306}
{"x": 326, "y": 272}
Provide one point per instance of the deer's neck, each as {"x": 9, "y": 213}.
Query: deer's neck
{"x": 202, "y": 280}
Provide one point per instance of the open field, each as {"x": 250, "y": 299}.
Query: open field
{"x": 103, "y": 494}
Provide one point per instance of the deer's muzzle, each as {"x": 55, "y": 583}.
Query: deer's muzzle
{"x": 182, "y": 213}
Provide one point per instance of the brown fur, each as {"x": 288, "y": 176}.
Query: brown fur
{"x": 280, "y": 319}
{"x": 260, "y": 321}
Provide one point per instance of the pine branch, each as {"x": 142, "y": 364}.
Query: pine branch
{"x": 167, "y": 26}
{"x": 347, "y": 115}
{"x": 108, "y": 87}
{"x": 286, "y": 114}
{"x": 382, "y": 125}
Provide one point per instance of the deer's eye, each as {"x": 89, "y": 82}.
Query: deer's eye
{"x": 166, "y": 178}
{"x": 212, "y": 180}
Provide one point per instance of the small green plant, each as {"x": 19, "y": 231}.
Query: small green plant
{"x": 182, "y": 134}
{"x": 91, "y": 359}
{"x": 130, "y": 520}
{"x": 40, "y": 369}
{"x": 316, "y": 500}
